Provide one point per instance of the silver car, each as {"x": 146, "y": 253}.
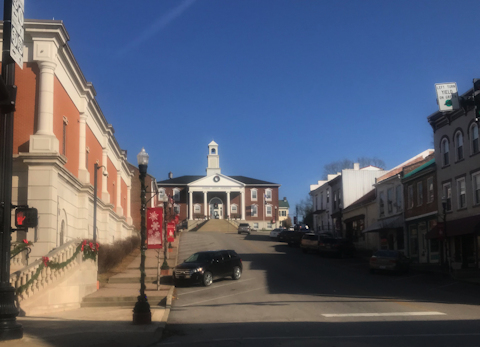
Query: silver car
{"x": 244, "y": 228}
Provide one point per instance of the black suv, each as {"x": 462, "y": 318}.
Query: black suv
{"x": 202, "y": 267}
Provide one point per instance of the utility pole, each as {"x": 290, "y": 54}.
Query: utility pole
{"x": 9, "y": 328}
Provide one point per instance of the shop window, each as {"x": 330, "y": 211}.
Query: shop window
{"x": 431, "y": 190}
{"x": 390, "y": 200}
{"x": 419, "y": 193}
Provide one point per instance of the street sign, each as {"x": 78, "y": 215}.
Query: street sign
{"x": 17, "y": 33}
{"x": 447, "y": 96}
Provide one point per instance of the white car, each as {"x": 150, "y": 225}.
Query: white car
{"x": 274, "y": 233}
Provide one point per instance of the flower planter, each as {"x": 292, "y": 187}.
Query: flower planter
{"x": 164, "y": 272}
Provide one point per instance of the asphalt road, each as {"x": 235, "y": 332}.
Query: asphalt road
{"x": 287, "y": 298}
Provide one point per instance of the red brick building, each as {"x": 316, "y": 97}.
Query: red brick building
{"x": 60, "y": 132}
{"x": 223, "y": 197}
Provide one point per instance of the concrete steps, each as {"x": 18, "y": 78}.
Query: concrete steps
{"x": 219, "y": 225}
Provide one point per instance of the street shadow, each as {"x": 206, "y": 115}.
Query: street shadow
{"x": 332, "y": 333}
{"x": 257, "y": 237}
{"x": 290, "y": 271}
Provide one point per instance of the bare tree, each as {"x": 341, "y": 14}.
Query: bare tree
{"x": 337, "y": 166}
{"x": 366, "y": 161}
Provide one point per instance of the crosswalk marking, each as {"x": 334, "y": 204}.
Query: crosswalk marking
{"x": 384, "y": 314}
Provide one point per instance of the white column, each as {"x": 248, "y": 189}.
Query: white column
{"x": 129, "y": 212}
{"x": 44, "y": 139}
{"x": 105, "y": 194}
{"x": 206, "y": 211}
{"x": 83, "y": 173}
{"x": 118, "y": 203}
{"x": 190, "y": 205}
{"x": 228, "y": 203}
{"x": 242, "y": 195}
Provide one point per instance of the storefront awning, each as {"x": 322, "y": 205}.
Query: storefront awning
{"x": 464, "y": 226}
{"x": 387, "y": 223}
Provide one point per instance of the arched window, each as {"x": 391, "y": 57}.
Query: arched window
{"x": 445, "y": 150}
{"x": 213, "y": 151}
{"x": 459, "y": 145}
{"x": 474, "y": 138}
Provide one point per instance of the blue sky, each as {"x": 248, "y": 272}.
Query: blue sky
{"x": 284, "y": 87}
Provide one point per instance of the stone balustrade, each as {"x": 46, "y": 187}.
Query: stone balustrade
{"x": 47, "y": 275}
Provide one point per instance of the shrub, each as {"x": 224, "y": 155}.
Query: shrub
{"x": 111, "y": 255}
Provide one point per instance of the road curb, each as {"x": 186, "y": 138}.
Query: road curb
{"x": 168, "y": 303}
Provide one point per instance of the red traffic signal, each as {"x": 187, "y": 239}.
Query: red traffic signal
{"x": 26, "y": 217}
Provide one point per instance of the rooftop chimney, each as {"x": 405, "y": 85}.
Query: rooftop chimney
{"x": 170, "y": 175}
{"x": 356, "y": 166}
{"x": 285, "y": 199}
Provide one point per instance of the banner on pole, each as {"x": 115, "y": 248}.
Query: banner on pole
{"x": 154, "y": 227}
{"x": 171, "y": 232}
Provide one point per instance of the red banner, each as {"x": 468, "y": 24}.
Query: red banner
{"x": 170, "y": 231}
{"x": 154, "y": 227}
{"x": 176, "y": 219}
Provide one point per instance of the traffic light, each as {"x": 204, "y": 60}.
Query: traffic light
{"x": 476, "y": 98}
{"x": 26, "y": 217}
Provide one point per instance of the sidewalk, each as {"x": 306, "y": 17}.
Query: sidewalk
{"x": 105, "y": 318}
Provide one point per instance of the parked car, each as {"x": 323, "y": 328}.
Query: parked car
{"x": 244, "y": 228}
{"x": 294, "y": 238}
{"x": 274, "y": 233}
{"x": 309, "y": 242}
{"x": 336, "y": 246}
{"x": 203, "y": 267}
{"x": 283, "y": 236}
{"x": 387, "y": 260}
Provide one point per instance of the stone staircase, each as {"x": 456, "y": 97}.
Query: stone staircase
{"x": 219, "y": 225}
{"x": 123, "y": 289}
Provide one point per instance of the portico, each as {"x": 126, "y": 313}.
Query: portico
{"x": 214, "y": 196}
{"x": 218, "y": 196}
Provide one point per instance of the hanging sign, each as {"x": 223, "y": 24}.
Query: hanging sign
{"x": 154, "y": 227}
{"x": 171, "y": 232}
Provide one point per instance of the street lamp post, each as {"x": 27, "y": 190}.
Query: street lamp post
{"x": 141, "y": 311}
{"x": 9, "y": 327}
{"x": 166, "y": 215}
{"x": 276, "y": 216}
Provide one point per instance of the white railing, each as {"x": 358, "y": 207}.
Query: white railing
{"x": 20, "y": 260}
{"x": 47, "y": 275}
